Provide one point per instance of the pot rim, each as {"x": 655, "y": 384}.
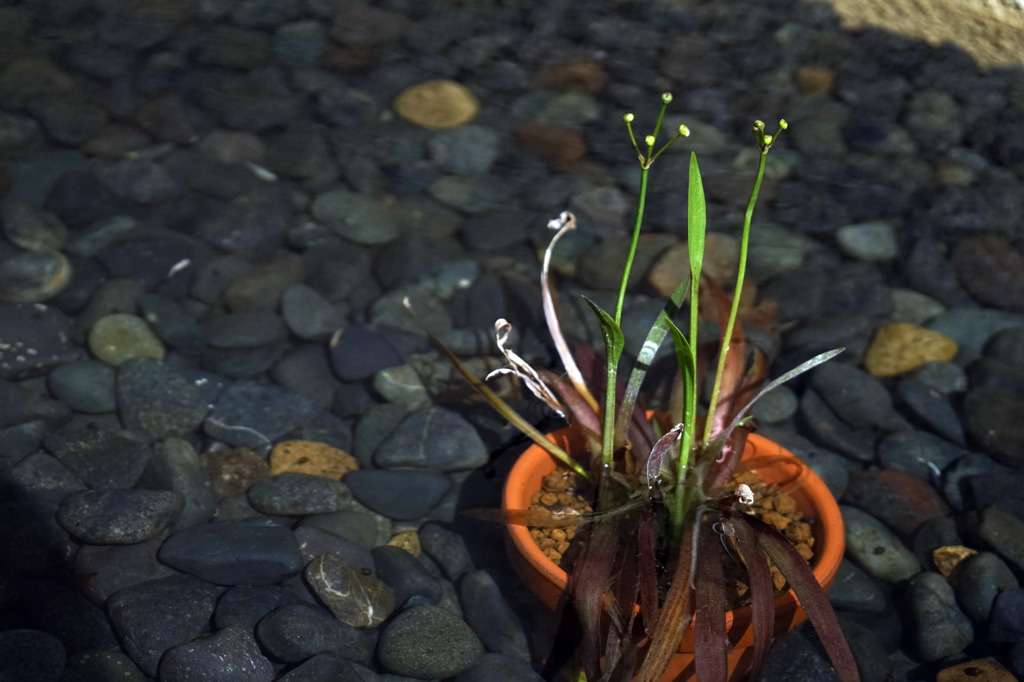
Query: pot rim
{"x": 813, "y": 498}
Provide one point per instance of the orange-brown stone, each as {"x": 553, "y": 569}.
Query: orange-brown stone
{"x": 311, "y": 457}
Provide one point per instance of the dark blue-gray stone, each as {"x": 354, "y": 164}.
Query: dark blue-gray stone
{"x": 245, "y": 329}
{"x": 155, "y": 399}
{"x": 19, "y": 405}
{"x": 152, "y": 617}
{"x": 933, "y": 408}
{"x": 66, "y": 614}
{"x": 432, "y": 438}
{"x": 243, "y": 606}
{"x": 493, "y": 667}
{"x": 314, "y": 541}
{"x": 399, "y": 494}
{"x": 106, "y": 569}
{"x": 853, "y": 589}
{"x": 295, "y": 633}
{"x": 255, "y": 414}
{"x": 175, "y": 466}
{"x": 86, "y": 386}
{"x": 828, "y": 429}
{"x": 918, "y": 453}
{"x": 101, "y": 456}
{"x": 228, "y": 655}
{"x": 295, "y": 494}
{"x": 171, "y": 322}
{"x": 448, "y": 549}
{"x": 118, "y": 517}
{"x": 365, "y": 529}
{"x": 793, "y": 658}
{"x": 490, "y": 616}
{"x": 360, "y": 352}
{"x": 329, "y": 668}
{"x": 100, "y": 665}
{"x": 248, "y": 552}
{"x": 405, "y": 574}
{"x": 1007, "y": 621}
{"x": 428, "y": 642}
{"x": 938, "y": 626}
{"x": 857, "y": 397}
{"x": 41, "y": 340}
{"x": 978, "y": 580}
{"x": 30, "y": 656}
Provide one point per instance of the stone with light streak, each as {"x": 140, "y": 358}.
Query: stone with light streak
{"x": 355, "y": 599}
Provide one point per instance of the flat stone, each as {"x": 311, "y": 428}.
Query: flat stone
{"x": 432, "y": 438}
{"x": 254, "y": 414}
{"x": 228, "y": 655}
{"x": 987, "y": 669}
{"x": 254, "y": 552}
{"x": 875, "y": 548}
{"x": 355, "y": 599}
{"x": 119, "y": 337}
{"x": 437, "y": 104}
{"x": 995, "y": 419}
{"x": 491, "y": 618}
{"x": 33, "y": 276}
{"x": 406, "y": 576}
{"x": 357, "y": 217}
{"x": 243, "y": 606}
{"x": 65, "y": 613}
{"x": 106, "y": 569}
{"x": 902, "y": 501}
{"x": 295, "y": 633}
{"x": 992, "y": 271}
{"x": 38, "y": 339}
{"x": 118, "y": 517}
{"x": 92, "y": 665}
{"x": 175, "y": 466}
{"x": 428, "y": 642}
{"x": 103, "y": 457}
{"x": 899, "y": 347}
{"x": 310, "y": 457}
{"x": 234, "y": 470}
{"x": 448, "y": 549}
{"x": 874, "y": 241}
{"x": 155, "y": 399}
{"x": 329, "y": 668}
{"x": 295, "y": 494}
{"x": 86, "y": 386}
{"x": 183, "y": 604}
{"x": 853, "y": 589}
{"x": 940, "y": 628}
{"x": 857, "y": 397}
{"x": 978, "y": 580}
{"x": 492, "y": 667}
{"x": 402, "y": 495}
{"x": 1004, "y": 532}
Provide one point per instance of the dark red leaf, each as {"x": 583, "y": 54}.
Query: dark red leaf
{"x": 673, "y": 619}
{"x": 710, "y": 640}
{"x": 647, "y": 568}
{"x": 762, "y": 590}
{"x": 800, "y": 577}
{"x": 587, "y": 584}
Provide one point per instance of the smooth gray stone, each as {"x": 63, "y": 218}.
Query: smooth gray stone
{"x": 228, "y": 655}
{"x": 1006, "y": 624}
{"x": 295, "y": 633}
{"x": 314, "y": 541}
{"x": 255, "y": 414}
{"x": 427, "y": 642}
{"x": 448, "y": 549}
{"x": 432, "y": 438}
{"x": 405, "y": 574}
{"x": 978, "y": 580}
{"x": 106, "y": 569}
{"x": 876, "y": 548}
{"x": 96, "y": 665}
{"x": 30, "y": 655}
{"x": 793, "y": 658}
{"x": 155, "y": 399}
{"x": 329, "y": 668}
{"x": 355, "y": 599}
{"x": 175, "y": 466}
{"x": 102, "y": 456}
{"x": 491, "y": 618}
{"x": 154, "y": 616}
{"x": 295, "y": 494}
{"x": 248, "y": 552}
{"x": 86, "y": 386}
{"x": 493, "y": 667}
{"x": 939, "y": 627}
{"x": 857, "y": 397}
{"x": 399, "y": 494}
{"x": 918, "y": 453}
{"x": 244, "y": 605}
{"x": 853, "y": 589}
{"x": 118, "y": 517}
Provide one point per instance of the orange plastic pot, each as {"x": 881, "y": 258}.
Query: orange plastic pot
{"x": 548, "y": 581}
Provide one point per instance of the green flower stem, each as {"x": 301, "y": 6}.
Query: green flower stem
{"x": 765, "y": 142}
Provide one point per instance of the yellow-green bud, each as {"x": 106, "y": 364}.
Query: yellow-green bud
{"x": 628, "y": 118}
{"x": 783, "y": 124}
{"x": 666, "y": 97}
{"x": 649, "y": 140}
{"x": 767, "y": 140}
{"x": 684, "y": 131}
{"x": 759, "y": 125}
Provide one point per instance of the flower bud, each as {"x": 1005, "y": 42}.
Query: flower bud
{"x": 628, "y": 118}
{"x": 649, "y": 140}
{"x": 783, "y": 123}
{"x": 684, "y": 131}
{"x": 666, "y": 97}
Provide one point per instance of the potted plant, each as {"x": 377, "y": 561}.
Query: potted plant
{"x": 670, "y": 520}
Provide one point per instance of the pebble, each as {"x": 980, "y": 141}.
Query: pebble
{"x": 248, "y": 552}
{"x": 932, "y": 408}
{"x": 110, "y": 568}
{"x": 154, "y": 399}
{"x": 103, "y": 457}
{"x": 995, "y": 419}
{"x": 33, "y": 276}
{"x": 876, "y": 549}
{"x": 37, "y": 339}
{"x": 93, "y": 664}
{"x": 402, "y": 495}
{"x": 917, "y": 453}
{"x": 855, "y": 396}
{"x": 329, "y": 668}
{"x": 365, "y": 529}
{"x": 175, "y": 466}
{"x": 437, "y": 104}
{"x": 991, "y": 270}
{"x": 309, "y": 457}
{"x": 31, "y": 228}
{"x": 360, "y": 351}
{"x": 356, "y": 217}
{"x": 433, "y": 438}
{"x": 255, "y": 414}
{"x": 296, "y": 494}
{"x": 492, "y": 619}
{"x": 492, "y": 667}
{"x": 899, "y": 347}
{"x": 467, "y": 150}
{"x": 978, "y": 580}
{"x": 406, "y": 576}
{"x": 834, "y": 433}
{"x": 308, "y": 314}
{"x": 185, "y": 605}
{"x": 874, "y": 241}
{"x": 1005, "y": 623}
{"x": 428, "y": 642}
{"x": 940, "y": 628}
{"x": 118, "y": 517}
{"x": 295, "y": 633}
{"x": 448, "y": 549}
{"x": 230, "y": 654}
{"x": 234, "y": 470}
{"x": 984, "y": 668}
{"x": 118, "y": 337}
{"x": 912, "y": 307}
{"x": 247, "y": 329}
{"x": 901, "y": 501}
{"x": 1004, "y": 532}
{"x": 243, "y": 606}
{"x": 361, "y": 601}
{"x": 853, "y": 589}
{"x": 31, "y": 655}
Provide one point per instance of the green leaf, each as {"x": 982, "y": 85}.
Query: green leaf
{"x": 612, "y": 333}
{"x": 696, "y": 221}
{"x": 688, "y": 369}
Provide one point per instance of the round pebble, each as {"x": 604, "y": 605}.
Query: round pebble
{"x": 899, "y": 347}
{"x": 118, "y": 337}
{"x": 411, "y": 643}
{"x": 118, "y": 517}
{"x": 33, "y": 276}
{"x": 309, "y": 457}
{"x": 437, "y": 104}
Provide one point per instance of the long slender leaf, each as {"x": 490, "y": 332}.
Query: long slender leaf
{"x": 588, "y": 583}
{"x": 610, "y": 331}
{"x": 801, "y": 578}
{"x": 613, "y": 343}
{"x": 647, "y": 567}
{"x": 710, "y": 641}
{"x": 762, "y": 597}
{"x": 696, "y": 220}
{"x": 674, "y": 617}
